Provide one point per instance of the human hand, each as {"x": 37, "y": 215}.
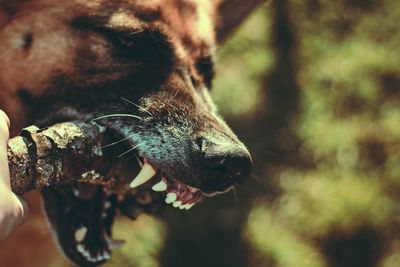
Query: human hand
{"x": 13, "y": 209}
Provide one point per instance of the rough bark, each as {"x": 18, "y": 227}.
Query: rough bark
{"x": 63, "y": 153}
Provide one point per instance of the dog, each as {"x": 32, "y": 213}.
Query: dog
{"x": 143, "y": 70}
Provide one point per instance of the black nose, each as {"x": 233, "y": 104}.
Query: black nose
{"x": 227, "y": 161}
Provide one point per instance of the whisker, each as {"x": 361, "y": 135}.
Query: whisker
{"x": 135, "y": 32}
{"x": 117, "y": 142}
{"x": 129, "y": 150}
{"x": 117, "y": 115}
{"x": 136, "y": 105}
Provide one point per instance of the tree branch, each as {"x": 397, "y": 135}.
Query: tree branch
{"x": 63, "y": 153}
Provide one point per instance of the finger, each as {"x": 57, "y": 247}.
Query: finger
{"x": 5, "y": 117}
{"x": 4, "y": 130}
{"x": 4, "y": 134}
{"x": 4, "y": 124}
{"x": 23, "y": 211}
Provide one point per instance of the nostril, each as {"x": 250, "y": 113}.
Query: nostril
{"x": 229, "y": 170}
{"x": 228, "y": 162}
{"x": 217, "y": 163}
{"x": 220, "y": 165}
{"x": 239, "y": 167}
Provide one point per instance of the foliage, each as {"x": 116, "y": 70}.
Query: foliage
{"x": 345, "y": 202}
{"x": 144, "y": 240}
{"x": 241, "y": 62}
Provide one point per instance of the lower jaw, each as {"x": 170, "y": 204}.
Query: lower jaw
{"x": 177, "y": 193}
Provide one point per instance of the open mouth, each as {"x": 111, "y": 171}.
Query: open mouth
{"x": 178, "y": 194}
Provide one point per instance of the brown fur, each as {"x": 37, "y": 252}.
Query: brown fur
{"x": 74, "y": 60}
{"x": 37, "y": 45}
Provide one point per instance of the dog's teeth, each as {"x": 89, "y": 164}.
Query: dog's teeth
{"x": 112, "y": 244}
{"x": 171, "y": 197}
{"x": 80, "y": 248}
{"x": 106, "y": 255}
{"x": 146, "y": 173}
{"x": 107, "y": 204}
{"x": 80, "y": 234}
{"x": 182, "y": 206}
{"x": 189, "y": 206}
{"x": 86, "y": 254}
{"x": 75, "y": 192}
{"x": 161, "y": 186}
{"x": 177, "y": 203}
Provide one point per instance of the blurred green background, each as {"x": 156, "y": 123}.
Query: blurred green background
{"x": 313, "y": 88}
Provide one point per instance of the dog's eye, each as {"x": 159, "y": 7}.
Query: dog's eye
{"x": 205, "y": 66}
{"x": 145, "y": 38}
{"x": 131, "y": 38}
{"x": 146, "y": 44}
{"x": 138, "y": 43}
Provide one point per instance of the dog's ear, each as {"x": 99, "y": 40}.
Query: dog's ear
{"x": 230, "y": 13}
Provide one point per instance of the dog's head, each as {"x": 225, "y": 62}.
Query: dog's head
{"x": 141, "y": 68}
{"x": 151, "y": 60}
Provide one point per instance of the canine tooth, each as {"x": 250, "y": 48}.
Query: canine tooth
{"x": 161, "y": 186}
{"x": 80, "y": 234}
{"x": 171, "y": 197}
{"x": 177, "y": 203}
{"x": 140, "y": 162}
{"x": 182, "y": 206}
{"x": 146, "y": 173}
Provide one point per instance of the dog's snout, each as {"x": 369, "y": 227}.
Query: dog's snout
{"x": 230, "y": 162}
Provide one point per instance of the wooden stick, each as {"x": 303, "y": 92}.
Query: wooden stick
{"x": 62, "y": 153}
